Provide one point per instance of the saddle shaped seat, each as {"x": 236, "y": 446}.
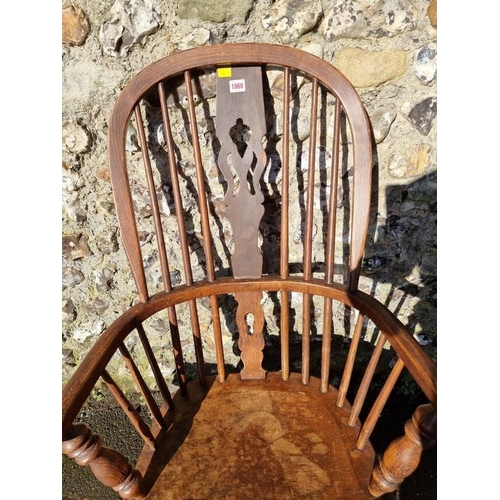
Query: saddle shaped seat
{"x": 259, "y": 439}
{"x": 255, "y": 162}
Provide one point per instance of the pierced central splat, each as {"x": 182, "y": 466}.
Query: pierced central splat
{"x": 241, "y": 125}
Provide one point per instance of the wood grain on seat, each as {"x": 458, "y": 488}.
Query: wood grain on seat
{"x": 258, "y": 439}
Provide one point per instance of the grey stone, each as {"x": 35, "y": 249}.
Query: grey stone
{"x": 75, "y": 137}
{"x": 107, "y": 242}
{"x": 105, "y": 206}
{"x": 368, "y": 19}
{"x": 75, "y": 246}
{"x": 421, "y": 113}
{"x": 205, "y": 302}
{"x": 157, "y": 276}
{"x": 72, "y": 182}
{"x": 95, "y": 328}
{"x": 145, "y": 237}
{"x": 104, "y": 279}
{"x": 422, "y": 338}
{"x": 198, "y": 37}
{"x": 290, "y": 19}
{"x": 219, "y": 208}
{"x": 175, "y": 277}
{"x": 68, "y": 357}
{"x": 130, "y": 22}
{"x": 166, "y": 370}
{"x": 382, "y": 120}
{"x": 159, "y": 325}
{"x": 99, "y": 305}
{"x": 73, "y": 206}
{"x": 68, "y": 311}
{"x": 131, "y": 140}
{"x": 313, "y": 48}
{"x": 425, "y": 64}
{"x": 215, "y": 11}
{"x": 142, "y": 201}
{"x": 375, "y": 263}
{"x": 149, "y": 260}
{"x": 71, "y": 277}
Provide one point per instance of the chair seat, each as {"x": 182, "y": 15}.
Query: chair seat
{"x": 257, "y": 440}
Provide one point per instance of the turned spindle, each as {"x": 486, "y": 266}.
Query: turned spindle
{"x": 402, "y": 456}
{"x": 109, "y": 466}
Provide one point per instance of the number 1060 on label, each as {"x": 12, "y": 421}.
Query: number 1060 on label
{"x": 237, "y": 86}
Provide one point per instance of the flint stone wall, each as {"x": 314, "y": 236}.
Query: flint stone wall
{"x": 387, "y": 48}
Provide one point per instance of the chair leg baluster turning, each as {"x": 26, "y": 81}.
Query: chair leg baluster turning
{"x": 403, "y": 455}
{"x": 108, "y": 465}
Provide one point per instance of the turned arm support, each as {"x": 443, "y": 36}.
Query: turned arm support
{"x": 108, "y": 466}
{"x": 403, "y": 455}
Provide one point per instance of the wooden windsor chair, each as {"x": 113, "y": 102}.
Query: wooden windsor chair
{"x": 260, "y": 218}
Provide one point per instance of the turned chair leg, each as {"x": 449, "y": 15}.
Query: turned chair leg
{"x": 402, "y": 456}
{"x": 109, "y": 466}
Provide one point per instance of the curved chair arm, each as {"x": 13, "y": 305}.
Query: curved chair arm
{"x": 417, "y": 361}
{"x": 79, "y": 387}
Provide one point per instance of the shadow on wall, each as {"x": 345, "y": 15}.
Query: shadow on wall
{"x": 402, "y": 250}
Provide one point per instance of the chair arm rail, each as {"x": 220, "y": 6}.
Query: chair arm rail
{"x": 416, "y": 360}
